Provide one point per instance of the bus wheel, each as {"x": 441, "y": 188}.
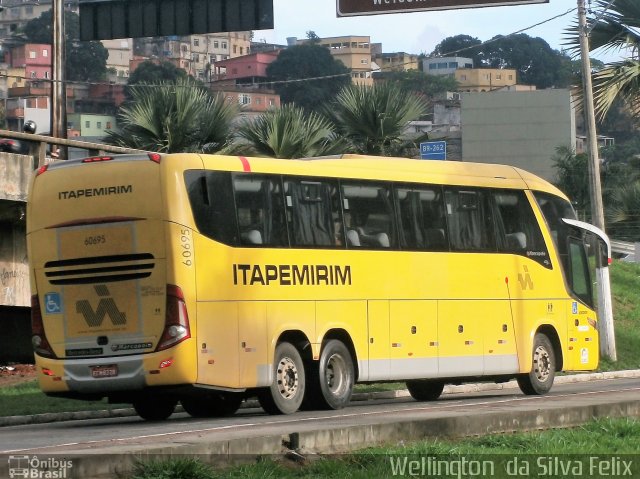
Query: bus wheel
{"x": 155, "y": 408}
{"x": 212, "y": 404}
{"x": 335, "y": 376}
{"x": 543, "y": 369}
{"x": 425, "y": 390}
{"x": 286, "y": 392}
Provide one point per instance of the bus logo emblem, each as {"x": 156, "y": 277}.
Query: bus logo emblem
{"x": 525, "y": 280}
{"x": 106, "y": 307}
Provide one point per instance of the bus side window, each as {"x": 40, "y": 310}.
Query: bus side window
{"x": 469, "y": 220}
{"x": 422, "y": 222}
{"x": 211, "y": 199}
{"x": 260, "y": 210}
{"x": 518, "y": 228}
{"x": 313, "y": 213}
{"x": 368, "y": 216}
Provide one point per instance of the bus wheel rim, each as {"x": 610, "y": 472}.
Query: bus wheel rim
{"x": 287, "y": 378}
{"x": 542, "y": 363}
{"x": 335, "y": 374}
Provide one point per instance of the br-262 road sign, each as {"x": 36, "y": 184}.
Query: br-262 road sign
{"x": 433, "y": 150}
{"x": 346, "y": 8}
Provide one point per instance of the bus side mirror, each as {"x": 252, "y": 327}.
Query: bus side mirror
{"x": 604, "y": 260}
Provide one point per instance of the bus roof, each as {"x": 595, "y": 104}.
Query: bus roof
{"x": 387, "y": 168}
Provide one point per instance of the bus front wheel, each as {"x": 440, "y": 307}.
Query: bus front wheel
{"x": 212, "y": 404}
{"x": 154, "y": 408}
{"x": 286, "y": 392}
{"x": 543, "y": 369}
{"x": 425, "y": 390}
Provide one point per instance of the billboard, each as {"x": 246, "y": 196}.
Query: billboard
{"x": 109, "y": 19}
{"x": 346, "y": 8}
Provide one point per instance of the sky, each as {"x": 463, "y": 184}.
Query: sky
{"x": 420, "y": 32}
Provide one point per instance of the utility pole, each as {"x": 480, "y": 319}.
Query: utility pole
{"x": 58, "y": 88}
{"x": 605, "y": 312}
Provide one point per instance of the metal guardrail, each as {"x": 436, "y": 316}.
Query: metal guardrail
{"x": 623, "y": 247}
{"x": 39, "y": 143}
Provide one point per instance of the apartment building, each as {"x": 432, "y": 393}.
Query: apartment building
{"x": 119, "y": 59}
{"x": 445, "y": 65}
{"x": 207, "y": 50}
{"x": 247, "y": 69}
{"x": 34, "y": 58}
{"x": 396, "y": 62}
{"x": 485, "y": 79}
{"x": 16, "y": 13}
{"x": 354, "y": 51}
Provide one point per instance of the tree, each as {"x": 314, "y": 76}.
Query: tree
{"x": 152, "y": 73}
{"x": 460, "y": 46}
{"x": 428, "y": 85}
{"x": 616, "y": 27}
{"x": 534, "y": 60}
{"x": 289, "y": 132}
{"x": 181, "y": 116}
{"x": 320, "y": 76}
{"x": 373, "y": 119}
{"x": 85, "y": 61}
{"x": 623, "y": 213}
{"x": 573, "y": 177}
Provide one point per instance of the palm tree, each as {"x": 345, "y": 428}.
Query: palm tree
{"x": 623, "y": 213}
{"x": 615, "y": 29}
{"x": 170, "y": 117}
{"x": 373, "y": 119}
{"x": 289, "y": 132}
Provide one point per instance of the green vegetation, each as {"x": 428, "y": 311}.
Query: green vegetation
{"x": 289, "y": 132}
{"x": 172, "y": 117}
{"x": 625, "y": 279}
{"x": 599, "y": 438}
{"x": 26, "y": 398}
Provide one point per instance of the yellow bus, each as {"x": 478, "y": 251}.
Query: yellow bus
{"x": 204, "y": 279}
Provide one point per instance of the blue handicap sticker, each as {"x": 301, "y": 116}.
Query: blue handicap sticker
{"x": 52, "y": 303}
{"x": 574, "y": 307}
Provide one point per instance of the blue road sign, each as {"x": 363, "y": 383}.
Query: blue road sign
{"x": 433, "y": 150}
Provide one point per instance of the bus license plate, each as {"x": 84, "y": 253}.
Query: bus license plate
{"x": 108, "y": 371}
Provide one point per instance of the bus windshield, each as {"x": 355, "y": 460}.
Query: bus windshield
{"x": 579, "y": 247}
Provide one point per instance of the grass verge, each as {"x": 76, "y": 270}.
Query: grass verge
{"x": 26, "y": 399}
{"x": 532, "y": 451}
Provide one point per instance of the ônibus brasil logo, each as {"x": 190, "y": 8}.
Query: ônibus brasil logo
{"x": 40, "y": 468}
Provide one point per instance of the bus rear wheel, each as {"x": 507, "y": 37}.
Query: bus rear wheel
{"x": 330, "y": 386}
{"x": 425, "y": 390}
{"x": 154, "y": 408}
{"x": 212, "y": 404}
{"x": 543, "y": 369}
{"x": 286, "y": 392}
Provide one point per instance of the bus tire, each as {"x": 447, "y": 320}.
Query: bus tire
{"x": 543, "y": 368}
{"x": 425, "y": 389}
{"x": 212, "y": 404}
{"x": 155, "y": 408}
{"x": 335, "y": 377}
{"x": 286, "y": 392}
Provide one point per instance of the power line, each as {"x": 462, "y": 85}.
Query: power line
{"x": 326, "y": 77}
{"x": 497, "y": 38}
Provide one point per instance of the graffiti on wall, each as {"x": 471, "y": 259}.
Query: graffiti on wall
{"x": 14, "y": 267}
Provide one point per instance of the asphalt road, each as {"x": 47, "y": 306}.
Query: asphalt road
{"x": 118, "y": 435}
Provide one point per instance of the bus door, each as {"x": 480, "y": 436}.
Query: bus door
{"x": 585, "y": 250}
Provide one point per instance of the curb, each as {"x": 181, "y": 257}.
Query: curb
{"x": 357, "y": 397}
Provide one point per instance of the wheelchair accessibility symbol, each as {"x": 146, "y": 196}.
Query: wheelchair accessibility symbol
{"x": 52, "y": 303}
